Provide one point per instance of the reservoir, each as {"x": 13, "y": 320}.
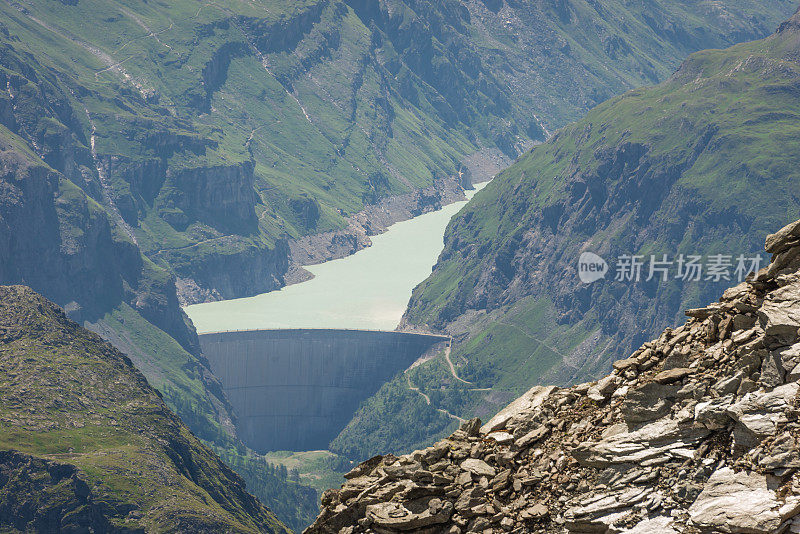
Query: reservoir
{"x": 367, "y": 291}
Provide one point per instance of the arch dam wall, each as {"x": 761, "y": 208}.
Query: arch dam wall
{"x": 297, "y": 389}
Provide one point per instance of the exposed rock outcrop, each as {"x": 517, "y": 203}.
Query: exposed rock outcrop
{"x": 695, "y": 432}
{"x": 479, "y": 167}
{"x": 374, "y": 220}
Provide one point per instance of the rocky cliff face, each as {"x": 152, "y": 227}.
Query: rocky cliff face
{"x": 696, "y": 431}
{"x": 376, "y": 218}
{"x": 64, "y": 233}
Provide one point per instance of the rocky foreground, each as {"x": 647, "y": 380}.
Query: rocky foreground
{"x": 696, "y": 431}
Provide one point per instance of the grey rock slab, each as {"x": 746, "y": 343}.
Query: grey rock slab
{"x": 501, "y": 438}
{"x": 702, "y": 313}
{"x": 649, "y": 402}
{"x": 478, "y": 467}
{"x": 648, "y": 443}
{"x": 789, "y": 356}
{"x": 782, "y": 454}
{"x": 534, "y": 436}
{"x": 526, "y": 404}
{"x": 673, "y": 375}
{"x": 534, "y": 512}
{"x": 783, "y": 239}
{"x": 771, "y": 371}
{"x": 740, "y": 502}
{"x": 395, "y": 515}
{"x": 713, "y": 414}
{"x": 780, "y": 314}
{"x": 603, "y": 389}
{"x": 400, "y": 471}
{"x": 604, "y": 509}
{"x": 656, "y": 525}
{"x": 761, "y": 412}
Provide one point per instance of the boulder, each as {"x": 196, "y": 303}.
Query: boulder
{"x": 761, "y": 412}
{"x": 772, "y": 372}
{"x": 781, "y": 454}
{"x": 740, "y": 502}
{"x": 789, "y": 358}
{"x": 533, "y": 436}
{"x": 396, "y": 516}
{"x": 783, "y": 239}
{"x": 656, "y": 525}
{"x": 471, "y": 427}
{"x": 526, "y": 404}
{"x": 671, "y": 376}
{"x": 599, "y": 512}
{"x": 648, "y": 402}
{"x": 780, "y": 315}
{"x": 644, "y": 446}
{"x": 478, "y": 467}
{"x": 603, "y": 389}
{"x": 713, "y": 414}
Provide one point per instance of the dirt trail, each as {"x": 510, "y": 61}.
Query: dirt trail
{"x": 428, "y": 401}
{"x": 453, "y": 367}
{"x": 150, "y": 33}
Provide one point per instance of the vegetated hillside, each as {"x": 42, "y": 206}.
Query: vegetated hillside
{"x": 223, "y": 130}
{"x": 702, "y": 164}
{"x": 88, "y": 445}
{"x": 696, "y": 432}
{"x": 58, "y": 239}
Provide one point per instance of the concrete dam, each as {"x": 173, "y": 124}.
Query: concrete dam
{"x": 297, "y": 389}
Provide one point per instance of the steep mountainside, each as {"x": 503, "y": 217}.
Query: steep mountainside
{"x": 61, "y": 241}
{"x": 88, "y": 445}
{"x": 216, "y": 133}
{"x": 702, "y": 164}
{"x": 696, "y": 432}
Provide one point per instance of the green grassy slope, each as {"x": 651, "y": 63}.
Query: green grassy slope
{"x": 561, "y": 58}
{"x": 96, "y": 447}
{"x": 705, "y": 163}
{"x": 225, "y": 129}
{"x": 59, "y": 233}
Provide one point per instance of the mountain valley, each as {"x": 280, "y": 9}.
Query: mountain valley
{"x": 158, "y": 154}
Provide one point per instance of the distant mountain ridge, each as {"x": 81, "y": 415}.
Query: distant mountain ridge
{"x": 223, "y": 133}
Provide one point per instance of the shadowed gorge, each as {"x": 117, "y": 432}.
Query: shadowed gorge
{"x": 297, "y": 389}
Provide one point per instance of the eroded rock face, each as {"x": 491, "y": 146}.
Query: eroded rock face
{"x": 697, "y": 431}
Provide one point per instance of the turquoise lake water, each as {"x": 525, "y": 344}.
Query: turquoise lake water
{"x": 368, "y": 290}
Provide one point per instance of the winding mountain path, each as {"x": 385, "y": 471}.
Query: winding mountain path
{"x": 428, "y": 400}
{"x": 453, "y": 367}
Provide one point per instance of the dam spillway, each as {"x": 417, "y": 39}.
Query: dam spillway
{"x": 297, "y": 389}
